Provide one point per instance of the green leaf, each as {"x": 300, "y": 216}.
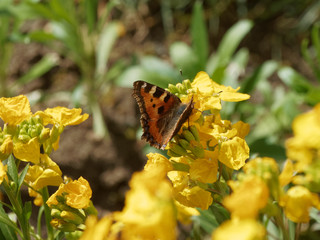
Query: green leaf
{"x": 106, "y": 41}
{"x": 227, "y": 47}
{"x": 210, "y": 219}
{"x": 199, "y": 34}
{"x": 22, "y": 176}
{"x": 40, "y": 36}
{"x": 27, "y": 210}
{"x": 185, "y": 58}
{"x": 38, "y": 69}
{"x": 7, "y": 227}
{"x": 313, "y": 96}
{"x": 91, "y": 7}
{"x": 294, "y": 80}
{"x": 12, "y": 170}
{"x": 260, "y": 74}
{"x": 314, "y": 213}
{"x": 130, "y": 75}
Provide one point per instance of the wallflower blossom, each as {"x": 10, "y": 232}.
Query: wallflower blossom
{"x": 14, "y": 110}
{"x": 190, "y": 196}
{"x": 98, "y": 230}
{"x": 149, "y": 211}
{"x": 6, "y": 146}
{"x": 304, "y": 147}
{"x": 3, "y": 172}
{"x": 76, "y": 193}
{"x": 252, "y": 192}
{"x": 244, "y": 229}
{"x": 297, "y": 202}
{"x": 45, "y": 173}
{"x": 204, "y": 141}
{"x": 24, "y": 133}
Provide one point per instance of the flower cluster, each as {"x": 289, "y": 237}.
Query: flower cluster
{"x": 207, "y": 172}
{"x": 205, "y": 151}
{"x": 207, "y": 148}
{"x": 30, "y": 138}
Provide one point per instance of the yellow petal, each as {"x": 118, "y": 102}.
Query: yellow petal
{"x": 27, "y": 152}
{"x": 234, "y": 153}
{"x": 156, "y": 160}
{"x": 6, "y": 148}
{"x": 15, "y": 110}
{"x": 204, "y": 170}
{"x": 63, "y": 116}
{"x": 251, "y": 192}
{"x": 248, "y": 229}
{"x": 79, "y": 193}
{"x": 287, "y": 173}
{"x": 297, "y": 202}
{"x": 3, "y": 172}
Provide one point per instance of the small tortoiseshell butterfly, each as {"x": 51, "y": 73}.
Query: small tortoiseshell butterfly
{"x": 162, "y": 113}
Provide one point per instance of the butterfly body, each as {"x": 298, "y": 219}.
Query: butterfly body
{"x": 162, "y": 113}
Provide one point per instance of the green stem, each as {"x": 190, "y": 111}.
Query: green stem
{"x": 47, "y": 212}
{"x": 16, "y": 203}
{"x": 280, "y": 223}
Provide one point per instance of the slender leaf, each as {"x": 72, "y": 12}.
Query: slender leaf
{"x": 12, "y": 169}
{"x": 184, "y": 57}
{"x": 294, "y": 80}
{"x": 260, "y": 74}
{"x": 22, "y": 176}
{"x": 199, "y": 34}
{"x": 91, "y": 7}
{"x": 38, "y": 69}
{"x": 104, "y": 47}
{"x": 7, "y": 227}
{"x": 27, "y": 210}
{"x": 228, "y": 46}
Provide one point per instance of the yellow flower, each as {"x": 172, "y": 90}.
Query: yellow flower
{"x": 247, "y": 229}
{"x": 234, "y": 153}
{"x": 297, "y": 202}
{"x": 14, "y": 110}
{"x": 63, "y": 116}
{"x": 6, "y": 147}
{"x": 190, "y": 196}
{"x": 210, "y": 93}
{"x": 46, "y": 173}
{"x": 98, "y": 230}
{"x": 27, "y": 152}
{"x": 38, "y": 201}
{"x": 287, "y": 173}
{"x": 156, "y": 160}
{"x": 3, "y": 172}
{"x": 267, "y": 169}
{"x": 78, "y": 194}
{"x": 204, "y": 170}
{"x": 251, "y": 192}
{"x": 304, "y": 147}
{"x": 149, "y": 210}
{"x": 185, "y": 213}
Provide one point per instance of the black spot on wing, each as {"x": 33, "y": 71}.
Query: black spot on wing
{"x": 147, "y": 87}
{"x": 166, "y": 99}
{"x": 160, "y": 110}
{"x": 158, "y": 92}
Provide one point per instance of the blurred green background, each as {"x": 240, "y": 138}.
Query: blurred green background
{"x": 87, "y": 53}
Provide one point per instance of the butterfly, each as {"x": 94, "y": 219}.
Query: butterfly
{"x": 162, "y": 113}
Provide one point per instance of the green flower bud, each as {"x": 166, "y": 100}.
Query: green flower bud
{"x": 55, "y": 213}
{"x": 185, "y": 144}
{"x": 172, "y": 154}
{"x": 188, "y": 135}
{"x": 195, "y": 132}
{"x": 71, "y": 217}
{"x": 177, "y": 149}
